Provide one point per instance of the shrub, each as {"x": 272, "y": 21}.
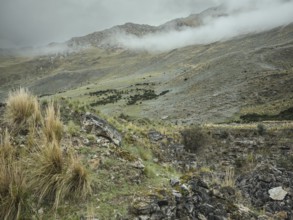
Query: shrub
{"x": 53, "y": 127}
{"x": 194, "y": 138}
{"x": 22, "y": 109}
{"x": 261, "y": 129}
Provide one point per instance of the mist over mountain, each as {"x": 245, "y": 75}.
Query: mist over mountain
{"x": 214, "y": 24}
{"x": 220, "y": 23}
{"x": 35, "y": 23}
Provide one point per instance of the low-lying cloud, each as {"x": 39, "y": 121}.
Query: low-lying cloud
{"x": 39, "y": 22}
{"x": 242, "y": 17}
{"x": 35, "y": 23}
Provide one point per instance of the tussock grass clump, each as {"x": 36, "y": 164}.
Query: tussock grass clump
{"x": 40, "y": 174}
{"x": 47, "y": 167}
{"x": 229, "y": 179}
{"x": 77, "y": 184}
{"x": 7, "y": 151}
{"x": 58, "y": 176}
{"x": 14, "y": 191}
{"x": 22, "y": 109}
{"x": 53, "y": 126}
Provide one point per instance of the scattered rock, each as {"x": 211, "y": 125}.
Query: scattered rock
{"x": 277, "y": 193}
{"x": 102, "y": 141}
{"x": 41, "y": 211}
{"x": 156, "y": 160}
{"x": 155, "y": 135}
{"x": 138, "y": 164}
{"x": 174, "y": 182}
{"x": 176, "y": 194}
{"x": 101, "y": 127}
{"x": 86, "y": 142}
{"x": 194, "y": 200}
{"x": 165, "y": 117}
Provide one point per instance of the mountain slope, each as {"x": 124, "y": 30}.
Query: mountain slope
{"x": 214, "y": 82}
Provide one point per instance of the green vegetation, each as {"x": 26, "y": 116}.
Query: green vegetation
{"x": 254, "y": 117}
{"x": 72, "y": 128}
{"x": 111, "y": 96}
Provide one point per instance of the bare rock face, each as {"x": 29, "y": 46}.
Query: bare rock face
{"x": 100, "y": 127}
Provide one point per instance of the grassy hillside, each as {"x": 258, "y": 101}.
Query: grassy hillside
{"x": 215, "y": 82}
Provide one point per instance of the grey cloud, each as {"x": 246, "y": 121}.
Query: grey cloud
{"x": 35, "y": 22}
{"x": 243, "y": 17}
{"x": 39, "y": 22}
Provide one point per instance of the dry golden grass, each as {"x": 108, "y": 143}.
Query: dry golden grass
{"x": 77, "y": 184}
{"x": 22, "y": 109}
{"x": 7, "y": 151}
{"x": 41, "y": 172}
{"x": 13, "y": 185}
{"x": 58, "y": 177}
{"x": 229, "y": 179}
{"x": 270, "y": 125}
{"x": 53, "y": 127}
{"x": 14, "y": 192}
{"x": 47, "y": 168}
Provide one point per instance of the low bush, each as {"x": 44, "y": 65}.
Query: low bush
{"x": 194, "y": 138}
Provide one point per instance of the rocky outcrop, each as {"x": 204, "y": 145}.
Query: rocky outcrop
{"x": 270, "y": 188}
{"x": 193, "y": 199}
{"x": 100, "y": 127}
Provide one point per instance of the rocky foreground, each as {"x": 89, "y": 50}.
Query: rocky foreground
{"x": 143, "y": 169}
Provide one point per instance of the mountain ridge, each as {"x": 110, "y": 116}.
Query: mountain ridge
{"x": 100, "y": 38}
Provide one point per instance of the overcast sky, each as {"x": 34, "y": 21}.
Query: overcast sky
{"x": 35, "y": 22}
{"x": 39, "y": 22}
